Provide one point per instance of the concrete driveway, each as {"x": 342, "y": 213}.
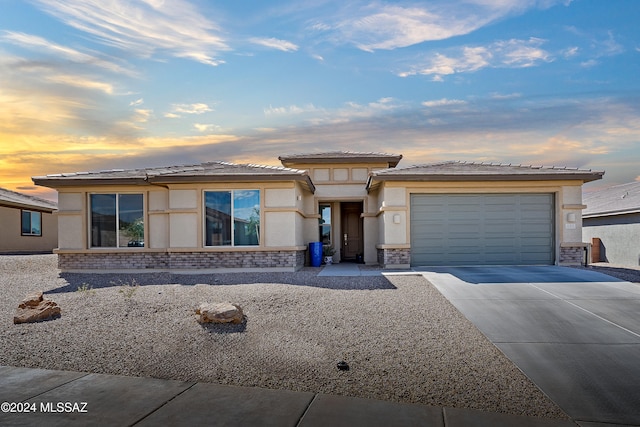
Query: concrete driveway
{"x": 574, "y": 333}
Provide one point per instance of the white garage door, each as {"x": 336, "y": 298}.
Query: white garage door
{"x": 482, "y": 229}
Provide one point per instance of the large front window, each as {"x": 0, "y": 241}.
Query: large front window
{"x": 117, "y": 220}
{"x": 232, "y": 218}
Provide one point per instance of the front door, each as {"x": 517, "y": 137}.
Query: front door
{"x": 351, "y": 237}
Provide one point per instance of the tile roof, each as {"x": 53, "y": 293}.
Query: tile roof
{"x": 209, "y": 171}
{"x": 342, "y": 157}
{"x": 464, "y": 171}
{"x": 20, "y": 200}
{"x": 615, "y": 200}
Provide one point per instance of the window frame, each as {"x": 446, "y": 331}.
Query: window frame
{"x": 30, "y": 212}
{"x": 231, "y": 192}
{"x": 117, "y": 220}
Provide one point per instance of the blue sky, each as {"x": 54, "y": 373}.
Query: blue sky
{"x": 87, "y": 84}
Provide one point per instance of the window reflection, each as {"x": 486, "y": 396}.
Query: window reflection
{"x": 325, "y": 224}
{"x": 117, "y": 220}
{"x": 241, "y": 205}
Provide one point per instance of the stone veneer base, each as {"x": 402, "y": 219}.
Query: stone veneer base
{"x": 286, "y": 259}
{"x": 394, "y": 257}
{"x": 290, "y": 259}
{"x": 569, "y": 255}
{"x": 573, "y": 255}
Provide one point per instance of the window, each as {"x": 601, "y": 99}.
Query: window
{"x": 325, "y": 224}
{"x": 117, "y": 220}
{"x": 31, "y": 223}
{"x": 232, "y": 218}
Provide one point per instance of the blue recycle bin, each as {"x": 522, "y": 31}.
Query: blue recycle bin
{"x": 315, "y": 254}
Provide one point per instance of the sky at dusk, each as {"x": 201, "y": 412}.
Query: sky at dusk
{"x": 92, "y": 84}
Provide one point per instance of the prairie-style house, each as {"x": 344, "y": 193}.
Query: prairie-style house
{"x": 221, "y": 216}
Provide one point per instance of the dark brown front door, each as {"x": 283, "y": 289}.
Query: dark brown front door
{"x": 351, "y": 236}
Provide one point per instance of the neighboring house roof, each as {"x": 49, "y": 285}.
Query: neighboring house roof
{"x": 616, "y": 200}
{"x": 204, "y": 172}
{"x": 23, "y": 201}
{"x": 341, "y": 157}
{"x": 473, "y": 171}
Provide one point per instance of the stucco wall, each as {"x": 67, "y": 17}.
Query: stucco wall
{"x": 183, "y": 199}
{"x": 280, "y": 198}
{"x": 183, "y": 230}
{"x": 394, "y": 207}
{"x": 71, "y": 215}
{"x": 281, "y": 224}
{"x": 279, "y": 229}
{"x": 371, "y": 228}
{"x": 12, "y": 240}
{"x": 184, "y": 218}
{"x": 619, "y": 236}
{"x": 333, "y": 192}
{"x": 70, "y": 230}
{"x": 308, "y": 219}
{"x": 158, "y": 223}
{"x": 570, "y": 212}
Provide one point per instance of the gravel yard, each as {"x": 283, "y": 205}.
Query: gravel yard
{"x": 623, "y": 273}
{"x": 402, "y": 339}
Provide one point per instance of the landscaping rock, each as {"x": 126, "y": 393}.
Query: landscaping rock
{"x": 221, "y": 312}
{"x": 34, "y": 308}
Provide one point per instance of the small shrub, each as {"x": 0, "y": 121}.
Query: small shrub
{"x": 86, "y": 289}
{"x": 127, "y": 289}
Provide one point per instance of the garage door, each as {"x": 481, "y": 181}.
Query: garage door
{"x": 482, "y": 229}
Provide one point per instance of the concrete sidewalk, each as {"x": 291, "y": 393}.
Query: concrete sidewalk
{"x": 60, "y": 398}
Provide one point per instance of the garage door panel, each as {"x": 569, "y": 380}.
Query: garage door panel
{"x": 434, "y": 235}
{"x": 500, "y": 258}
{"x": 506, "y": 241}
{"x": 461, "y": 244}
{"x": 541, "y": 245}
{"x": 482, "y": 229}
{"x": 464, "y": 232}
{"x": 535, "y": 230}
{"x": 500, "y": 229}
{"x": 537, "y": 216}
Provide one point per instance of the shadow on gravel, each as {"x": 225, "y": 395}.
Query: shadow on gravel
{"x": 225, "y": 328}
{"x": 300, "y": 278}
{"x": 627, "y": 274}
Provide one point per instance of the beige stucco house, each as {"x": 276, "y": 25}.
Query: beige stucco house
{"x": 218, "y": 216}
{"x": 27, "y": 223}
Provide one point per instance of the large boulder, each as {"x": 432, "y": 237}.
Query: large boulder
{"x": 34, "y": 308}
{"x": 219, "y": 312}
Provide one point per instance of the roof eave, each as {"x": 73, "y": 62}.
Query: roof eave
{"x": 55, "y": 182}
{"x": 27, "y": 206}
{"x": 75, "y": 182}
{"x": 586, "y": 177}
{"x": 610, "y": 213}
{"x": 237, "y": 177}
{"x": 173, "y": 179}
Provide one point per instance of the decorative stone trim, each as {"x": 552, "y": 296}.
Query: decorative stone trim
{"x": 573, "y": 253}
{"x": 113, "y": 261}
{"x": 394, "y": 257}
{"x": 181, "y": 260}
